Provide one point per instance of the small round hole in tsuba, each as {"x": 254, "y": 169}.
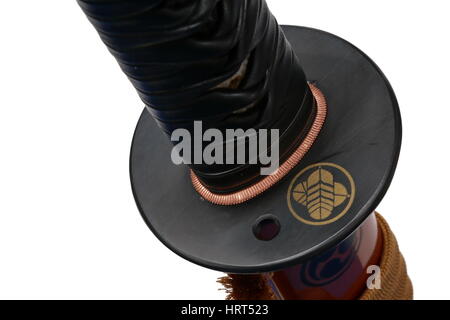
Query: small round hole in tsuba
{"x": 266, "y": 228}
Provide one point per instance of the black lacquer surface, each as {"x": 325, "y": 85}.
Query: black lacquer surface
{"x": 362, "y": 134}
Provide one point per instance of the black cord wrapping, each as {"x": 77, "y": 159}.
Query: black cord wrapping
{"x": 178, "y": 52}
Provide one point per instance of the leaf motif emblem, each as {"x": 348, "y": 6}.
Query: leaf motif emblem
{"x": 320, "y": 194}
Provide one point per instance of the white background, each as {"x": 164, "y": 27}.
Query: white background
{"x": 69, "y": 227}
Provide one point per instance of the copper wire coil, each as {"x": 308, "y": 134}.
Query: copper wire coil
{"x": 251, "y": 192}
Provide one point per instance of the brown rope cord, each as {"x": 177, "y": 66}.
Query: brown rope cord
{"x": 395, "y": 283}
